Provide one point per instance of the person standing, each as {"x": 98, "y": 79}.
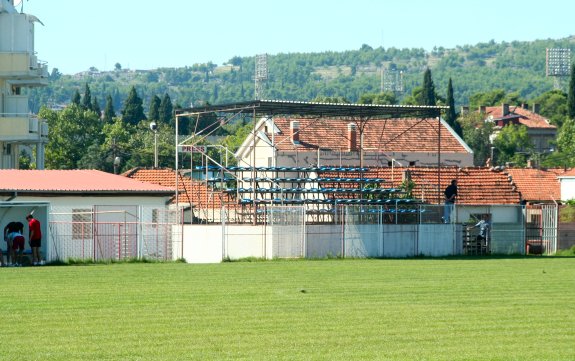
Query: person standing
{"x": 484, "y": 226}
{"x": 35, "y": 238}
{"x": 450, "y": 198}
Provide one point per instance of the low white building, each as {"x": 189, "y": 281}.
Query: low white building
{"x": 85, "y": 213}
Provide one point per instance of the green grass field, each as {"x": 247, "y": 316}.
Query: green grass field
{"x": 420, "y": 309}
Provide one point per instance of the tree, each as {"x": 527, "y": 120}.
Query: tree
{"x": 116, "y": 143}
{"x": 451, "y": 116}
{"x": 76, "y": 98}
{"x": 428, "y": 93}
{"x": 564, "y": 156}
{"x": 166, "y": 110}
{"x": 490, "y": 98}
{"x": 87, "y": 99}
{"x": 553, "y": 106}
{"x": 571, "y": 95}
{"x": 477, "y": 133}
{"x": 337, "y": 100}
{"x": 96, "y": 107}
{"x": 154, "y": 113}
{"x": 133, "y": 112}
{"x": 117, "y": 67}
{"x": 109, "y": 112}
{"x": 55, "y": 74}
{"x": 72, "y": 132}
{"x": 385, "y": 98}
{"x": 513, "y": 145}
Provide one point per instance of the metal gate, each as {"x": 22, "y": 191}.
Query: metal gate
{"x": 541, "y": 229}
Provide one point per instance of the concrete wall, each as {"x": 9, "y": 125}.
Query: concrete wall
{"x": 372, "y": 159}
{"x": 214, "y": 243}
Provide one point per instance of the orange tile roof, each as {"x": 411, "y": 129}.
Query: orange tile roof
{"x": 568, "y": 173}
{"x": 525, "y": 116}
{"x": 386, "y": 135}
{"x": 475, "y": 185}
{"x": 537, "y": 185}
{"x": 189, "y": 191}
{"x": 73, "y": 181}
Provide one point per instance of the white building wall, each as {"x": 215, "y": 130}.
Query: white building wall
{"x": 567, "y": 188}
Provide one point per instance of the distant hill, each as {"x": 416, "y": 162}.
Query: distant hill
{"x": 515, "y": 67}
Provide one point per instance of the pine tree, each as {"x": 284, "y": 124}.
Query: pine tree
{"x": 428, "y": 93}
{"x": 571, "y": 95}
{"x": 76, "y": 98}
{"x": 133, "y": 111}
{"x": 166, "y": 110}
{"x": 87, "y": 99}
{"x": 154, "y": 113}
{"x": 109, "y": 112}
{"x": 451, "y": 116}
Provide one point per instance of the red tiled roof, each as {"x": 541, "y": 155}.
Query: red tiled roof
{"x": 568, "y": 173}
{"x": 526, "y": 117}
{"x": 475, "y": 185}
{"x": 189, "y": 191}
{"x": 77, "y": 181}
{"x": 537, "y": 184}
{"x": 386, "y": 135}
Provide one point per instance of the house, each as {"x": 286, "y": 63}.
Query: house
{"x": 86, "y": 213}
{"x": 282, "y": 141}
{"x": 19, "y": 69}
{"x": 541, "y": 132}
{"x": 536, "y": 185}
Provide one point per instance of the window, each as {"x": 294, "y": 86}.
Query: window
{"x": 81, "y": 223}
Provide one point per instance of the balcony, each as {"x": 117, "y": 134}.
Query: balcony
{"x": 25, "y": 68}
{"x": 22, "y": 128}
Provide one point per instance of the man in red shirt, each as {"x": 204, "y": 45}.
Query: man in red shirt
{"x": 35, "y": 238}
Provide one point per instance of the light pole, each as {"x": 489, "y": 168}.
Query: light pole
{"x": 154, "y": 128}
{"x": 492, "y": 160}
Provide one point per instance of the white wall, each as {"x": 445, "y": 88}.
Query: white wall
{"x": 567, "y": 188}
{"x": 214, "y": 243}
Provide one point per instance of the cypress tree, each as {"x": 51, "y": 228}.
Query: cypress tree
{"x": 451, "y": 116}
{"x": 87, "y": 100}
{"x": 133, "y": 111}
{"x": 109, "y": 112}
{"x": 96, "y": 107}
{"x": 428, "y": 93}
{"x": 166, "y": 110}
{"x": 154, "y": 113}
{"x": 76, "y": 98}
{"x": 571, "y": 95}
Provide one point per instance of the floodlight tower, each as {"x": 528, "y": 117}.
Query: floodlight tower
{"x": 392, "y": 80}
{"x": 261, "y": 75}
{"x": 558, "y": 64}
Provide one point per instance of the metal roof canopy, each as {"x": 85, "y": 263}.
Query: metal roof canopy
{"x": 363, "y": 112}
{"x": 284, "y": 107}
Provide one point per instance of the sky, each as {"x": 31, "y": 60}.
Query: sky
{"x": 77, "y": 35}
